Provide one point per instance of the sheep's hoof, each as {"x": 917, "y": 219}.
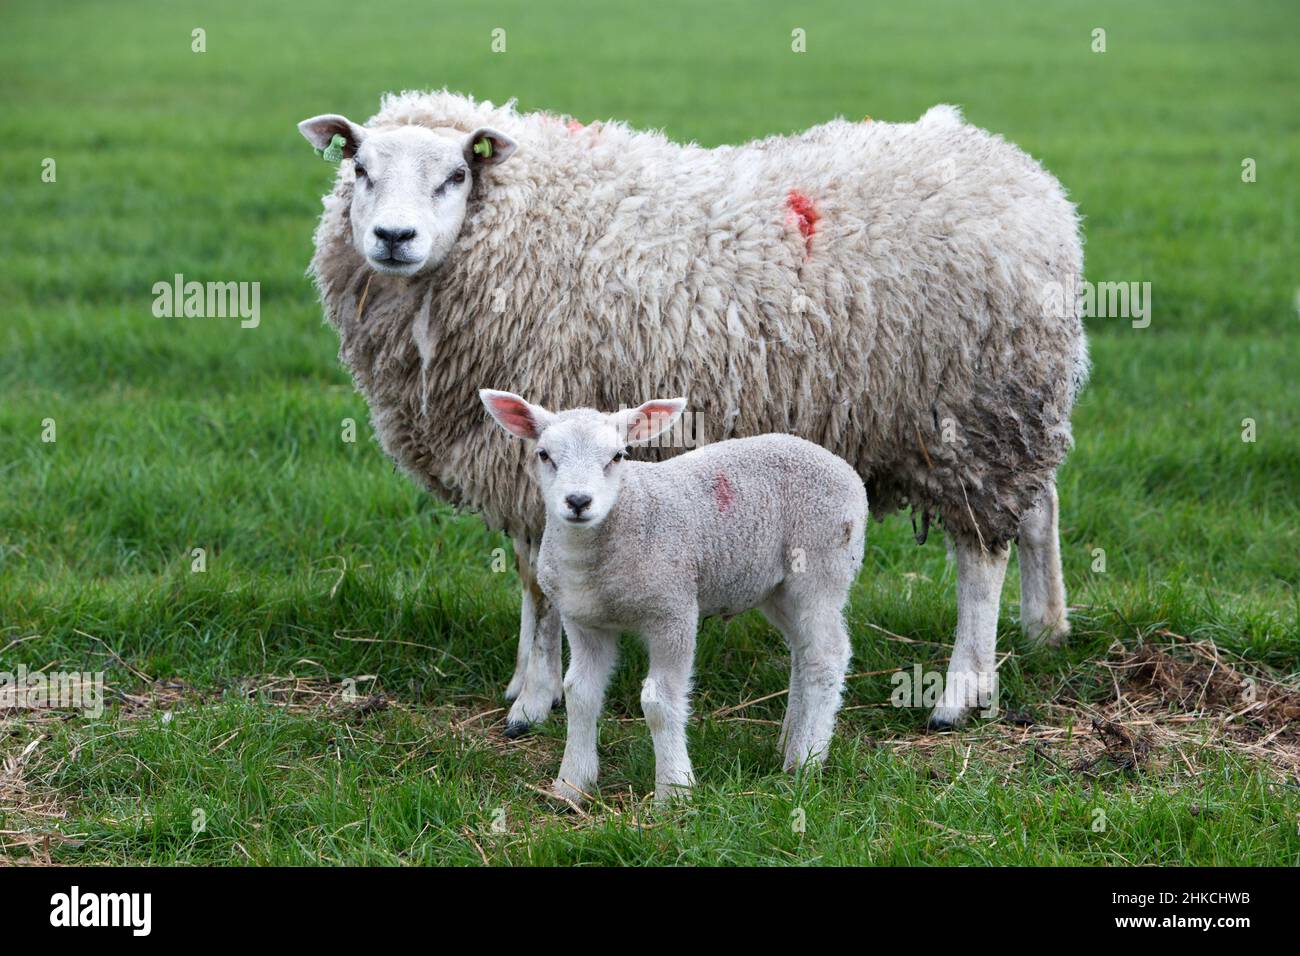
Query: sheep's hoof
{"x": 528, "y": 711}
{"x": 517, "y": 728}
{"x": 946, "y": 718}
{"x": 556, "y": 704}
{"x": 514, "y": 688}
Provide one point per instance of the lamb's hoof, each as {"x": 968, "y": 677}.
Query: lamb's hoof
{"x": 1047, "y": 633}
{"x": 556, "y": 703}
{"x": 517, "y": 728}
{"x": 673, "y": 794}
{"x": 561, "y": 790}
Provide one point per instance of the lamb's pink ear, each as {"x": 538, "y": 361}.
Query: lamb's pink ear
{"x": 650, "y": 420}
{"x": 514, "y": 414}
{"x": 321, "y": 130}
{"x": 487, "y": 147}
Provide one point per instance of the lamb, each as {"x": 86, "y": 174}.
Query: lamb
{"x": 773, "y": 522}
{"x": 895, "y": 292}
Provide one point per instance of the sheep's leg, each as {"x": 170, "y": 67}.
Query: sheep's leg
{"x": 1042, "y": 587}
{"x": 823, "y": 660}
{"x": 527, "y": 628}
{"x": 972, "y": 672}
{"x": 527, "y": 617}
{"x": 665, "y": 701}
{"x": 544, "y": 675}
{"x": 592, "y": 655}
{"x": 539, "y": 665}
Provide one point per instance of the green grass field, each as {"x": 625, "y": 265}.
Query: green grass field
{"x": 228, "y": 737}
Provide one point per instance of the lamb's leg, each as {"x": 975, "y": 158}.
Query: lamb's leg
{"x": 793, "y": 701}
{"x": 823, "y": 660}
{"x": 972, "y": 670}
{"x": 794, "y": 696}
{"x": 592, "y": 655}
{"x": 665, "y": 701}
{"x": 1042, "y": 587}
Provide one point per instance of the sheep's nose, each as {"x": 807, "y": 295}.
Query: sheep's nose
{"x": 391, "y": 236}
{"x": 578, "y": 503}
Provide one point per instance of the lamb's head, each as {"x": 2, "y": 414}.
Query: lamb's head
{"x": 412, "y": 186}
{"x": 578, "y": 454}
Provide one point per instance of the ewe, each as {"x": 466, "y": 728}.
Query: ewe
{"x": 895, "y": 292}
{"x": 772, "y": 522}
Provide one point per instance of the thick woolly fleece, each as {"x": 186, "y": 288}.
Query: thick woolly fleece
{"x": 889, "y": 291}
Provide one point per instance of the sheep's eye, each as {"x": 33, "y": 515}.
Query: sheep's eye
{"x": 542, "y": 456}
{"x": 454, "y": 179}
{"x": 360, "y": 171}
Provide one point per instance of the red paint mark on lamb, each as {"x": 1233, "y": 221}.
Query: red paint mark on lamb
{"x": 723, "y": 493}
{"x": 803, "y": 215}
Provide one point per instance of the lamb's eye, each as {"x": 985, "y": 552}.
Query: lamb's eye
{"x": 542, "y": 456}
{"x": 360, "y": 171}
{"x": 619, "y": 456}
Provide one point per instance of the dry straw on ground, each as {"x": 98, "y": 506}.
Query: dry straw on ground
{"x": 1178, "y": 700}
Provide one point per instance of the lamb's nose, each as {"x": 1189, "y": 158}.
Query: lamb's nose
{"x": 394, "y": 235}
{"x": 577, "y": 502}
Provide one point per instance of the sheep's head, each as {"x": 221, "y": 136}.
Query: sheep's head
{"x": 412, "y": 186}
{"x": 579, "y": 453}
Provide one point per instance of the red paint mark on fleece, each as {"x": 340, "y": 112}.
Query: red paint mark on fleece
{"x": 568, "y": 122}
{"x": 723, "y": 493}
{"x": 804, "y": 215}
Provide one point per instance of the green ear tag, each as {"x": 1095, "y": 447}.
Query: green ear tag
{"x": 483, "y": 148}
{"x": 333, "y": 153}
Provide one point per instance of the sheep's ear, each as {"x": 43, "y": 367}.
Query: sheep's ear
{"x": 514, "y": 414}
{"x": 321, "y": 130}
{"x": 487, "y": 147}
{"x": 650, "y": 420}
